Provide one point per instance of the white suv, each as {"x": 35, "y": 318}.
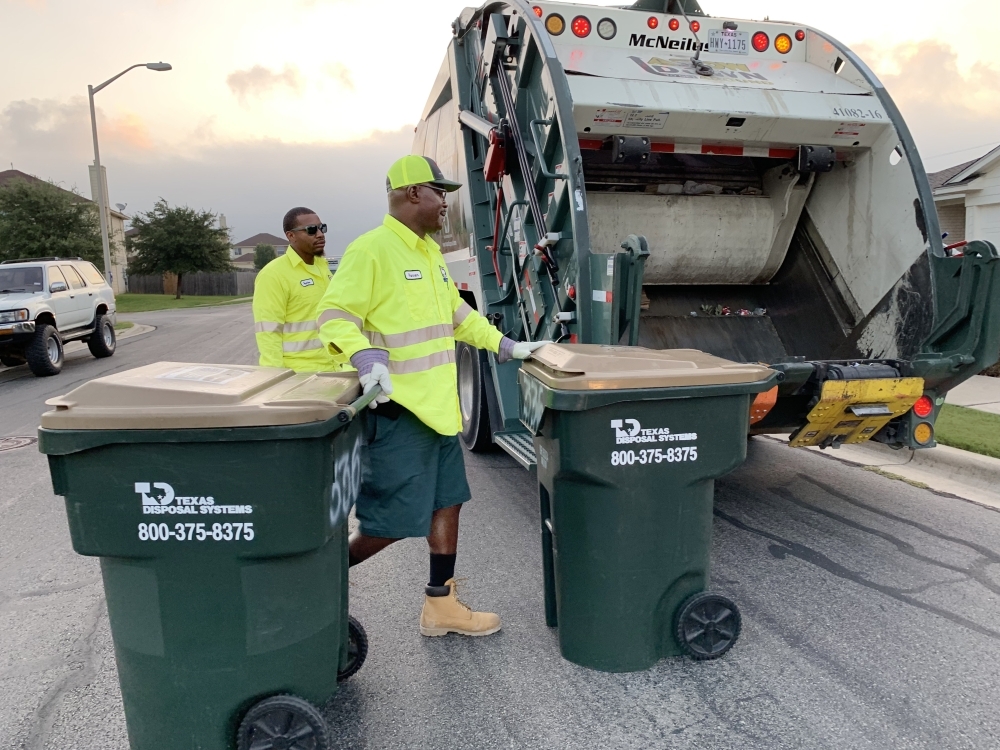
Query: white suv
{"x": 45, "y": 302}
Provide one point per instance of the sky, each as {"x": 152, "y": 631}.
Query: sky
{"x": 275, "y": 103}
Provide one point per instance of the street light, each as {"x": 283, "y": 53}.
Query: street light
{"x": 102, "y": 199}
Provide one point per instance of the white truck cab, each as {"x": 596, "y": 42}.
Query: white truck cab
{"x": 46, "y": 302}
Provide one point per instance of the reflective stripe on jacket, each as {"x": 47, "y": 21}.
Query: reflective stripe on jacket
{"x": 285, "y": 296}
{"x": 392, "y": 291}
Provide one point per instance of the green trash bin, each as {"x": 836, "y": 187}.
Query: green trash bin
{"x": 216, "y": 497}
{"x": 629, "y": 442}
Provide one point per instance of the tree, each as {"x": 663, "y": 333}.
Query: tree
{"x": 39, "y": 219}
{"x": 179, "y": 240}
{"x": 262, "y": 255}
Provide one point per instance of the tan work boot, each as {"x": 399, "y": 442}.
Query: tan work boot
{"x": 448, "y": 614}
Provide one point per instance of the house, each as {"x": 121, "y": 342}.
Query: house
{"x": 967, "y": 197}
{"x": 116, "y": 227}
{"x": 242, "y": 253}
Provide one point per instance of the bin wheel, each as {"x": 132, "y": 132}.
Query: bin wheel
{"x": 357, "y": 649}
{"x": 283, "y": 722}
{"x": 707, "y": 625}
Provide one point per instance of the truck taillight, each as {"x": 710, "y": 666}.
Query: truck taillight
{"x": 695, "y": 27}
{"x": 800, "y": 36}
{"x": 555, "y": 24}
{"x": 581, "y": 26}
{"x": 783, "y": 43}
{"x": 760, "y": 41}
{"x": 537, "y": 11}
{"x": 923, "y": 407}
{"x": 652, "y": 22}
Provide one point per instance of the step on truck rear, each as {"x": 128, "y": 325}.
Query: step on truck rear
{"x": 654, "y": 176}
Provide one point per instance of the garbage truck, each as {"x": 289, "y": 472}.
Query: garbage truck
{"x": 651, "y": 175}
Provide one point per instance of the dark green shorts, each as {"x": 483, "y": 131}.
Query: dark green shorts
{"x": 409, "y": 472}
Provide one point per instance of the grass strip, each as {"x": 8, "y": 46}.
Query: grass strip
{"x": 129, "y": 303}
{"x": 123, "y": 325}
{"x": 969, "y": 429}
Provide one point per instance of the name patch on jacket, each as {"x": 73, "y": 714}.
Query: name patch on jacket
{"x": 307, "y": 282}
{"x": 413, "y": 275}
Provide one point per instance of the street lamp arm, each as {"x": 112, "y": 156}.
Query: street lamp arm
{"x": 112, "y": 80}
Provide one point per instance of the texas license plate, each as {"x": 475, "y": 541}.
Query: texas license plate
{"x": 727, "y": 42}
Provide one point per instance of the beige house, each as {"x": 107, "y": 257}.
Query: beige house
{"x": 116, "y": 227}
{"x": 242, "y": 253}
{"x": 968, "y": 199}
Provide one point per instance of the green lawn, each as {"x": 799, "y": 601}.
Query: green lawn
{"x": 123, "y": 325}
{"x": 129, "y": 303}
{"x": 969, "y": 429}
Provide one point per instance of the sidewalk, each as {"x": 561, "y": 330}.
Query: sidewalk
{"x": 978, "y": 392}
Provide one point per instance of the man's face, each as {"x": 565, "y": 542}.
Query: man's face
{"x": 432, "y": 207}
{"x": 300, "y": 238}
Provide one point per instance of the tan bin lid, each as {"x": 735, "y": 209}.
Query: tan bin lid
{"x": 586, "y": 367}
{"x": 179, "y": 395}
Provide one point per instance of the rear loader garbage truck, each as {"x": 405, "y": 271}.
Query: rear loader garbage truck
{"x": 653, "y": 176}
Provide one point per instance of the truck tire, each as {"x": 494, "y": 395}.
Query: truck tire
{"x": 45, "y": 352}
{"x": 476, "y": 434}
{"x": 102, "y": 342}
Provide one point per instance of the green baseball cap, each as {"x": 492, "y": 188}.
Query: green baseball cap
{"x": 417, "y": 170}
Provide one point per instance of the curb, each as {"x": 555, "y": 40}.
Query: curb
{"x": 136, "y": 330}
{"x": 945, "y": 469}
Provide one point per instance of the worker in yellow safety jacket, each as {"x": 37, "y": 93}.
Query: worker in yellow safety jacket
{"x": 285, "y": 296}
{"x": 393, "y": 310}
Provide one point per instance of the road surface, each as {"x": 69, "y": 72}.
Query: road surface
{"x": 871, "y": 610}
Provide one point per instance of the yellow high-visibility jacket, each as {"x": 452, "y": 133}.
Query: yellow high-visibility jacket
{"x": 285, "y": 296}
{"x": 392, "y": 291}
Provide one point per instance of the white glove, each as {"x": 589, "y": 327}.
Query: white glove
{"x": 379, "y": 375}
{"x": 524, "y": 349}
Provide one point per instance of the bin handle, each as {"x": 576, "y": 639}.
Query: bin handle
{"x": 350, "y": 411}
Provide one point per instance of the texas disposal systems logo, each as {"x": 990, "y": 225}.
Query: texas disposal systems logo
{"x": 159, "y": 498}
{"x": 631, "y": 431}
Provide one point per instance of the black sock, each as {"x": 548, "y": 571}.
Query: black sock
{"x": 442, "y": 569}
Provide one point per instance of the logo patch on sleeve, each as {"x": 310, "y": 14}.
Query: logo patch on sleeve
{"x": 444, "y": 274}
{"x": 413, "y": 275}
{"x": 307, "y": 282}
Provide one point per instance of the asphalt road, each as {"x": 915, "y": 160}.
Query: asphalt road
{"x": 871, "y": 616}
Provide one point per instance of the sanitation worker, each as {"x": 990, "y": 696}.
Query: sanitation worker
{"x": 393, "y": 310}
{"x": 285, "y": 296}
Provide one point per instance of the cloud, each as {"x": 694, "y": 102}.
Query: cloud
{"x": 259, "y": 81}
{"x": 341, "y": 74}
{"x": 252, "y": 182}
{"x": 946, "y": 108}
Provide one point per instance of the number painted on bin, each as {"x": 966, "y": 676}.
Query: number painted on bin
{"x": 654, "y": 456}
{"x": 196, "y": 532}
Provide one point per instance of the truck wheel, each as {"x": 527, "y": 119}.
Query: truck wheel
{"x": 357, "y": 649}
{"x": 476, "y": 435}
{"x": 45, "y": 352}
{"x": 102, "y": 342}
{"x": 11, "y": 360}
{"x": 283, "y": 721}
{"x": 707, "y": 625}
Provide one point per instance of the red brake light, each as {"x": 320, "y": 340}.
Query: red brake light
{"x": 652, "y": 22}
{"x": 800, "y": 36}
{"x": 923, "y": 407}
{"x": 760, "y": 41}
{"x": 695, "y": 27}
{"x": 674, "y": 24}
{"x": 538, "y": 11}
{"x": 580, "y": 26}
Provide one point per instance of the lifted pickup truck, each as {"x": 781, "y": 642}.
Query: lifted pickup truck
{"x": 45, "y": 302}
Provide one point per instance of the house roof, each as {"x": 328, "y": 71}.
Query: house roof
{"x": 9, "y": 175}
{"x": 964, "y": 172}
{"x": 261, "y": 239}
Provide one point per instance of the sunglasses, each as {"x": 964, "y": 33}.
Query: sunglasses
{"x": 311, "y": 229}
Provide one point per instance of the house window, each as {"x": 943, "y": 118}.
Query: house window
{"x": 237, "y": 252}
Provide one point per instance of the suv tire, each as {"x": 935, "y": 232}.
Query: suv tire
{"x": 45, "y": 352}
{"x": 102, "y": 341}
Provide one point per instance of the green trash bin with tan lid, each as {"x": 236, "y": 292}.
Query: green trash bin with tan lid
{"x": 629, "y": 442}
{"x": 216, "y": 497}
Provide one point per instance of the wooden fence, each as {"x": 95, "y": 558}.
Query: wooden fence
{"x": 232, "y": 283}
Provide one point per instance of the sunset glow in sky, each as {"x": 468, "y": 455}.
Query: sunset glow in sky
{"x": 272, "y": 104}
